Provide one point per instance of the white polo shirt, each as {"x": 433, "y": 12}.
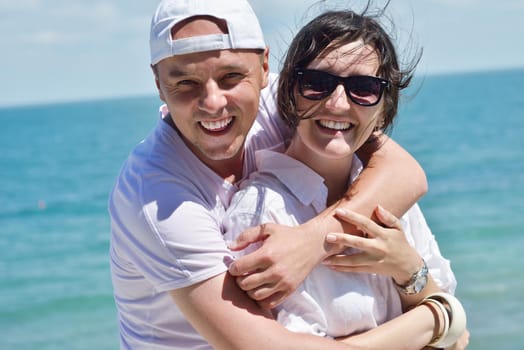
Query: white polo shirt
{"x": 166, "y": 209}
{"x": 328, "y": 303}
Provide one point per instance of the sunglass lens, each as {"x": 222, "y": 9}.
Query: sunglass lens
{"x": 316, "y": 85}
{"x": 364, "y": 90}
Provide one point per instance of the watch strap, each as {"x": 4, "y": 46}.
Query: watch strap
{"x": 417, "y": 281}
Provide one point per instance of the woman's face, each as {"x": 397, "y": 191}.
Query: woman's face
{"x": 337, "y": 126}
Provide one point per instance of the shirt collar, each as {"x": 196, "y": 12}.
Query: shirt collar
{"x": 309, "y": 187}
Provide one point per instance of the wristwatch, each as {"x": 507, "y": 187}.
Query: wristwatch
{"x": 417, "y": 282}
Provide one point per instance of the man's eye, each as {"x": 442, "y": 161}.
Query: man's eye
{"x": 231, "y": 79}
{"x": 187, "y": 83}
{"x": 233, "y": 75}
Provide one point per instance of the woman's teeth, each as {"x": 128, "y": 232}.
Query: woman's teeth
{"x": 330, "y": 124}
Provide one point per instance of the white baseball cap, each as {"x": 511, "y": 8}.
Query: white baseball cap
{"x": 244, "y": 30}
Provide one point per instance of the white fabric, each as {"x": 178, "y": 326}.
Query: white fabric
{"x": 166, "y": 209}
{"x": 328, "y": 303}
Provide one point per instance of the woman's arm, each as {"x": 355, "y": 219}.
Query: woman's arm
{"x": 392, "y": 178}
{"x": 383, "y": 249}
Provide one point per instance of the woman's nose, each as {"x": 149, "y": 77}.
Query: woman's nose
{"x": 338, "y": 100}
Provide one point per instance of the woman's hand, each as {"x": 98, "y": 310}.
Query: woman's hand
{"x": 382, "y": 249}
{"x": 462, "y": 343}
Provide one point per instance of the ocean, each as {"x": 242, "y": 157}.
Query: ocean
{"x": 59, "y": 162}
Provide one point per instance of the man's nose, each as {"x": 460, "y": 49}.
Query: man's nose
{"x": 212, "y": 99}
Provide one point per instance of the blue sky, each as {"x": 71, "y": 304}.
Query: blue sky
{"x": 63, "y": 50}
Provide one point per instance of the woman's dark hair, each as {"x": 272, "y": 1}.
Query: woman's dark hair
{"x": 332, "y": 30}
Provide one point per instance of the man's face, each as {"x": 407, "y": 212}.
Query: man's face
{"x": 213, "y": 98}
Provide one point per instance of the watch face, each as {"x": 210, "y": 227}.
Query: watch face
{"x": 420, "y": 283}
{"x": 422, "y": 279}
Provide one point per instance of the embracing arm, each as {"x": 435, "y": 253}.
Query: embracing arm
{"x": 228, "y": 319}
{"x": 394, "y": 333}
{"x": 392, "y": 178}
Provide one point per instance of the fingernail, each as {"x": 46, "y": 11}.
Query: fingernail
{"x": 232, "y": 244}
{"x": 341, "y": 211}
{"x": 229, "y": 260}
{"x": 331, "y": 238}
{"x": 232, "y": 268}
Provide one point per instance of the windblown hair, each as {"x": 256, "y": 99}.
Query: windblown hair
{"x": 330, "y": 31}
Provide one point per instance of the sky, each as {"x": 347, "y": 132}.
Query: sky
{"x": 63, "y": 50}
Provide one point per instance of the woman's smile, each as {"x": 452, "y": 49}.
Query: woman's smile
{"x": 335, "y": 125}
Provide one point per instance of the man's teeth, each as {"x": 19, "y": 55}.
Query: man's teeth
{"x": 215, "y": 125}
{"x": 330, "y": 124}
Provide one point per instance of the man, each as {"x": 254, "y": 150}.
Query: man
{"x": 169, "y": 262}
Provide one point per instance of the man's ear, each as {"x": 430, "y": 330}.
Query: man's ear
{"x": 265, "y": 67}
{"x": 157, "y": 82}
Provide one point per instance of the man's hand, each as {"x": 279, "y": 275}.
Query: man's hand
{"x": 276, "y": 269}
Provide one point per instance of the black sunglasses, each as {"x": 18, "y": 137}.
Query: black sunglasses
{"x": 361, "y": 89}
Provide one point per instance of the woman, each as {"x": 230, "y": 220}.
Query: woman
{"x": 339, "y": 87}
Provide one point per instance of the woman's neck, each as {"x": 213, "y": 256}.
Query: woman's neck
{"x": 335, "y": 171}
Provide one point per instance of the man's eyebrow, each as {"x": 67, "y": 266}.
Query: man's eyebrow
{"x": 177, "y": 72}
{"x": 233, "y": 66}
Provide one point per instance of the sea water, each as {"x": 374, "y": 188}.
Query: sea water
{"x": 59, "y": 161}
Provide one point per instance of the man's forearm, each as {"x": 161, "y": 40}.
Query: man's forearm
{"x": 391, "y": 178}
{"x": 412, "y": 330}
{"x": 228, "y": 319}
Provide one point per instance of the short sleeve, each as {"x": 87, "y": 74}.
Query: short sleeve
{"x": 173, "y": 241}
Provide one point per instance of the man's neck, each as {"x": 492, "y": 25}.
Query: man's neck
{"x": 231, "y": 170}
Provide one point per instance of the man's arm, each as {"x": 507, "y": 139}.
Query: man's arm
{"x": 392, "y": 178}
{"x": 228, "y": 319}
